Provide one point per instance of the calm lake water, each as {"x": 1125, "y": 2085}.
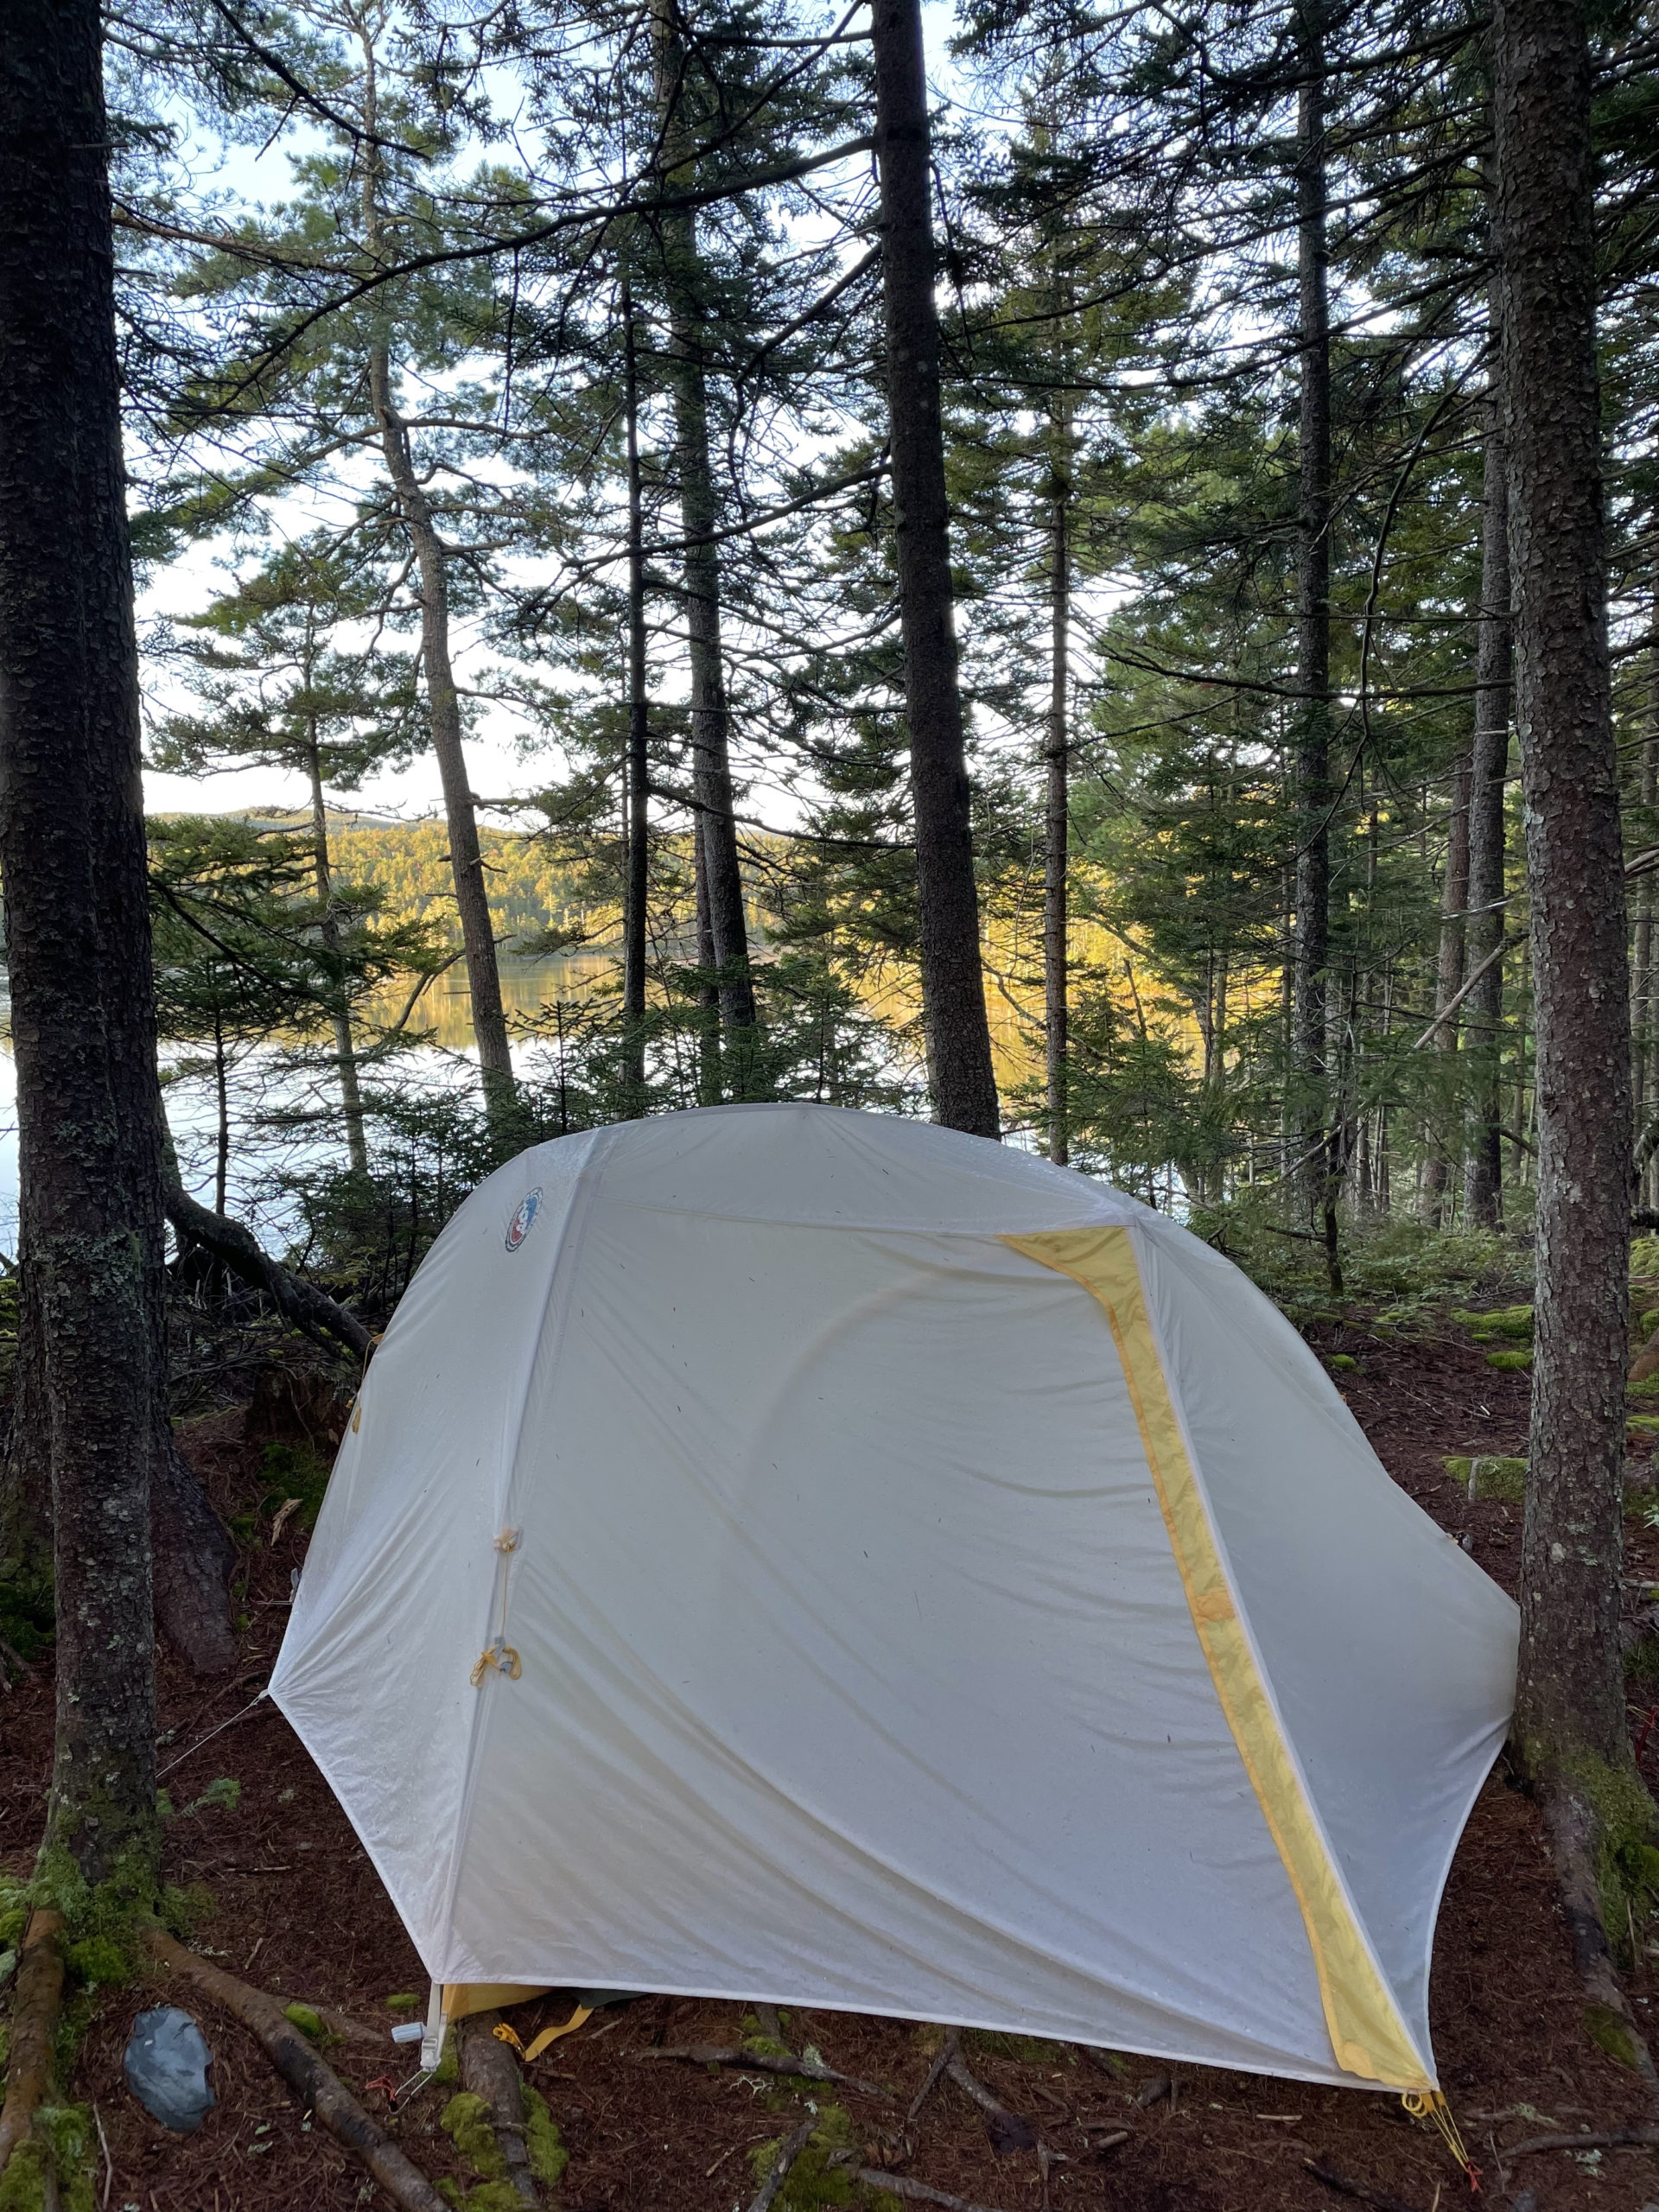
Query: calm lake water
{"x": 262, "y": 1082}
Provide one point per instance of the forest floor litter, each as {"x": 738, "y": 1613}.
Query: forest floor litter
{"x": 1007, "y": 2125}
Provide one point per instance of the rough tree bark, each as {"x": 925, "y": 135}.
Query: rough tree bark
{"x": 1483, "y": 1173}
{"x": 635, "y": 781}
{"x": 1644, "y": 1044}
{"x": 699, "y": 514}
{"x": 1310, "y": 769}
{"x": 69, "y": 776}
{"x": 1058, "y": 808}
{"x": 1569, "y": 1722}
{"x": 953, "y": 984}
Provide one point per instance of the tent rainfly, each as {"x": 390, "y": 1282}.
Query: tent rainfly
{"x": 820, "y": 1558}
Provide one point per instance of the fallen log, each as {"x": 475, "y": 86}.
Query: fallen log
{"x": 489, "y": 2070}
{"x": 33, "y": 2015}
{"x": 321, "y": 2089}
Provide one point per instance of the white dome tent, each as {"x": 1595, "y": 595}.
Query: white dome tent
{"x": 815, "y": 1557}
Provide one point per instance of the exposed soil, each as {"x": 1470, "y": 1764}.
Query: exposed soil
{"x": 300, "y": 1912}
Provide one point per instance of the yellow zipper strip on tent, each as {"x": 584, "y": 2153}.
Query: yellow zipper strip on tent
{"x": 1367, "y": 2033}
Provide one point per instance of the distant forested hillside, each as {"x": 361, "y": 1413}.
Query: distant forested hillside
{"x": 532, "y": 889}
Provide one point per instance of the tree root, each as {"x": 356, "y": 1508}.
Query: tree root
{"x": 1571, "y": 1825}
{"x": 709, "y": 2054}
{"x": 1010, "y": 2131}
{"x": 34, "y": 2013}
{"x": 489, "y": 2070}
{"x": 788, "y": 2152}
{"x": 299, "y": 2065}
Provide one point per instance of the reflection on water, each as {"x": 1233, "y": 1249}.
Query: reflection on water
{"x": 265, "y": 1083}
{"x": 444, "y": 1010}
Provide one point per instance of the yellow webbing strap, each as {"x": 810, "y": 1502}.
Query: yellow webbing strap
{"x": 1367, "y": 2034}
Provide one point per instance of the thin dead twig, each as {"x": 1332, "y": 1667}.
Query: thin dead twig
{"x": 711, "y": 2054}
{"x": 1612, "y": 2138}
{"x": 902, "y": 2185}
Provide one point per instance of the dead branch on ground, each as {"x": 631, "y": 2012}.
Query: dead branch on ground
{"x": 489, "y": 2070}
{"x": 1010, "y": 2131}
{"x": 321, "y": 2089}
{"x": 788, "y": 2152}
{"x": 902, "y": 2185}
{"x": 709, "y": 2054}
{"x": 34, "y": 2014}
{"x": 1612, "y": 2138}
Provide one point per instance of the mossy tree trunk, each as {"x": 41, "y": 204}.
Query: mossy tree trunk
{"x": 1570, "y": 1729}
{"x": 1572, "y": 1689}
{"x": 72, "y": 854}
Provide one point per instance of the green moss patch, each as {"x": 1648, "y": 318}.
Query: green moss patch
{"x": 60, "y": 2150}
{"x": 1510, "y": 1323}
{"x": 1489, "y": 1474}
{"x": 545, "y": 2146}
{"x": 1513, "y": 1362}
{"x": 466, "y": 2119}
{"x": 1611, "y": 2034}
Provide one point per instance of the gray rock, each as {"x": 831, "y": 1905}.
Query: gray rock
{"x": 166, "y": 2066}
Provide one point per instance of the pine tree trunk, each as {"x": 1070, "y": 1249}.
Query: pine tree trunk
{"x": 461, "y": 812}
{"x": 1482, "y": 1176}
{"x": 1570, "y": 1697}
{"x": 1449, "y": 972}
{"x": 637, "y": 771}
{"x": 69, "y": 770}
{"x": 1651, "y": 784}
{"x": 1057, "y": 811}
{"x": 953, "y": 986}
{"x": 1310, "y": 1076}
{"x": 351, "y": 1095}
{"x": 710, "y": 1084}
{"x": 688, "y": 310}
{"x": 442, "y": 701}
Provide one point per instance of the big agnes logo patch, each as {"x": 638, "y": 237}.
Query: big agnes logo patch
{"x": 524, "y": 1220}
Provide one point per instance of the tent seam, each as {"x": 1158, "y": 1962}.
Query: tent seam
{"x": 1238, "y": 1677}
{"x": 581, "y": 1196}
